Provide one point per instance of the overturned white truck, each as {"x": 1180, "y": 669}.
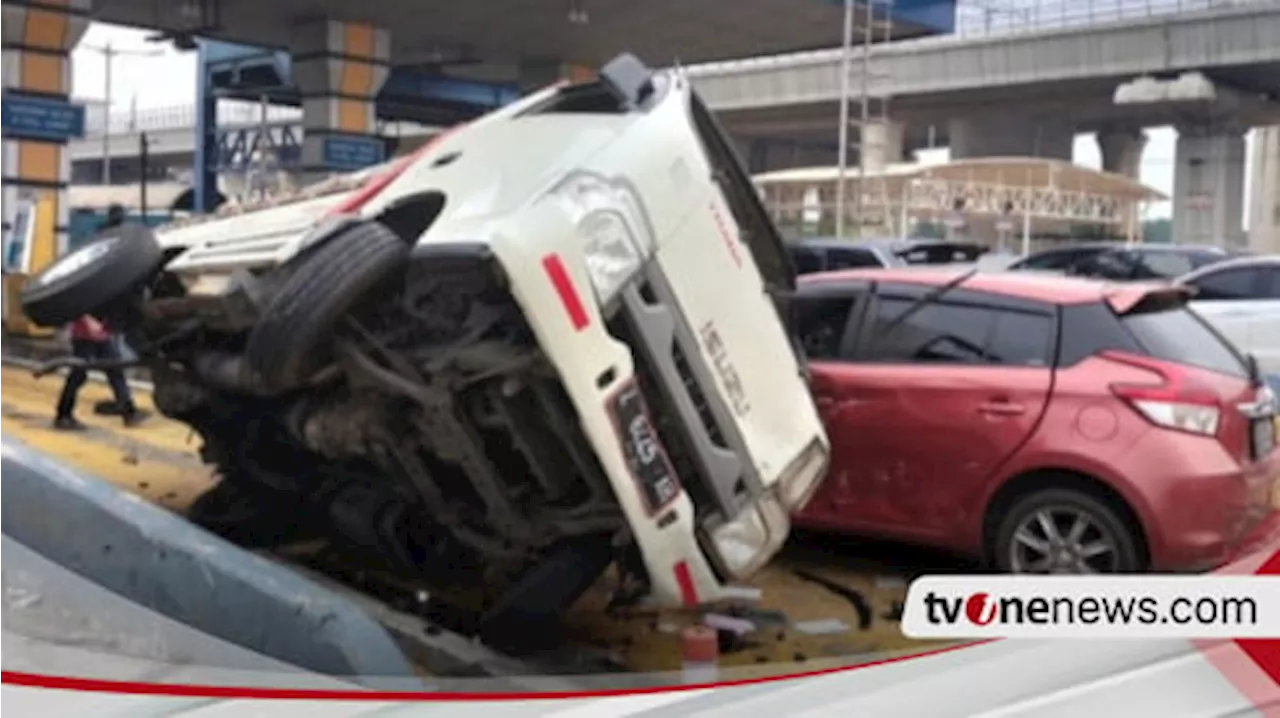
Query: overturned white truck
{"x": 551, "y": 341}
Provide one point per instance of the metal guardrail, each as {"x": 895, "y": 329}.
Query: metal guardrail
{"x": 232, "y": 114}
{"x": 986, "y": 18}
{"x": 178, "y": 117}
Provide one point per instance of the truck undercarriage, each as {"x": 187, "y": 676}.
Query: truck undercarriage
{"x": 434, "y": 439}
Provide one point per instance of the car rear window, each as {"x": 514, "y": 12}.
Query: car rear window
{"x": 1177, "y": 335}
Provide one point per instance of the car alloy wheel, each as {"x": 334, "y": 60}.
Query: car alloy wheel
{"x": 1063, "y": 540}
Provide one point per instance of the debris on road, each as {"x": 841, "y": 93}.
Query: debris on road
{"x": 821, "y": 627}
{"x": 721, "y": 622}
{"x": 855, "y": 598}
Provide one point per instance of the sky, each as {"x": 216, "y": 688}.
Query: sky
{"x": 169, "y": 79}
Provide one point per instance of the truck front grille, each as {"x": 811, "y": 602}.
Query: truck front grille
{"x": 665, "y": 418}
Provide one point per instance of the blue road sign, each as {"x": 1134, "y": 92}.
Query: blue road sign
{"x": 346, "y": 152}
{"x": 41, "y": 117}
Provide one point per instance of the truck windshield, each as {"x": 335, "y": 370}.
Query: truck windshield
{"x": 760, "y": 235}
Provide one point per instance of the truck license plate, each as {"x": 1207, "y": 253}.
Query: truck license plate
{"x": 1263, "y": 437}
{"x": 643, "y": 449}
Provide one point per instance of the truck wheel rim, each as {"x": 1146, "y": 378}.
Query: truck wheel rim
{"x": 78, "y": 260}
{"x": 1063, "y": 540}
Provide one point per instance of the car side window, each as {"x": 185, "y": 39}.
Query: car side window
{"x": 806, "y": 260}
{"x": 1228, "y": 284}
{"x": 1271, "y": 283}
{"x": 955, "y": 333}
{"x": 850, "y": 259}
{"x": 935, "y": 332}
{"x": 1049, "y": 261}
{"x": 1105, "y": 265}
{"x": 821, "y": 321}
{"x": 1021, "y": 338}
{"x": 1163, "y": 265}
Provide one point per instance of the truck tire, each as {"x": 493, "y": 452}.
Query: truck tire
{"x": 529, "y": 612}
{"x": 93, "y": 277}
{"x": 291, "y": 340}
{"x": 250, "y": 516}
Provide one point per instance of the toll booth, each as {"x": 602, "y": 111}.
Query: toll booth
{"x": 265, "y": 75}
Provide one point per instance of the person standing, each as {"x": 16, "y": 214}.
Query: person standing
{"x": 92, "y": 341}
{"x": 115, "y": 217}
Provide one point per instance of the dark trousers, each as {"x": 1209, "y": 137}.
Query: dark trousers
{"x": 94, "y": 351}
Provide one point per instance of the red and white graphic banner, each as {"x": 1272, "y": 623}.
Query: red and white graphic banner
{"x": 1210, "y": 606}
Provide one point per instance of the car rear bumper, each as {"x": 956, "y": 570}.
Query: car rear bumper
{"x": 1264, "y": 536}
{"x": 1207, "y": 516}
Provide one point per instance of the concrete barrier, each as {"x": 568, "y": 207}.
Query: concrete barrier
{"x": 163, "y": 563}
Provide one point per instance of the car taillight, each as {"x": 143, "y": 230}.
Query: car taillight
{"x": 1176, "y": 402}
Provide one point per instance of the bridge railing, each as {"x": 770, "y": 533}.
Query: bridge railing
{"x": 178, "y": 117}
{"x": 981, "y": 18}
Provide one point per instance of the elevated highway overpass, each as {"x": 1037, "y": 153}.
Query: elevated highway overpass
{"x": 1052, "y": 82}
{"x": 1052, "y": 79}
{"x": 1029, "y": 93}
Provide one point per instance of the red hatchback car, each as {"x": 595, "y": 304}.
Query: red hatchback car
{"x": 1043, "y": 424}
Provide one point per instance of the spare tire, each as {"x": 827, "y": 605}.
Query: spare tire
{"x": 291, "y": 340}
{"x": 93, "y": 277}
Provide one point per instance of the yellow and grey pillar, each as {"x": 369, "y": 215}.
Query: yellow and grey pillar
{"x": 339, "y": 67}
{"x": 38, "y": 120}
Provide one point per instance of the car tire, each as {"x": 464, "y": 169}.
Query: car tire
{"x": 289, "y": 342}
{"x": 92, "y": 278}
{"x": 1023, "y": 524}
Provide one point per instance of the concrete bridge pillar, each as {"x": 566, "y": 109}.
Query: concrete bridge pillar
{"x": 339, "y": 67}
{"x": 1264, "y": 205}
{"x": 40, "y": 119}
{"x": 883, "y": 144}
{"x": 1121, "y": 150}
{"x": 1208, "y": 184}
{"x": 1006, "y": 136}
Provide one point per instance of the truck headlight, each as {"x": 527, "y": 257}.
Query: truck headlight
{"x": 608, "y": 216}
{"x": 612, "y": 257}
{"x": 743, "y": 546}
{"x": 800, "y": 480}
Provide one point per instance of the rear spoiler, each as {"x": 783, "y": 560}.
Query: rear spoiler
{"x": 1142, "y": 297}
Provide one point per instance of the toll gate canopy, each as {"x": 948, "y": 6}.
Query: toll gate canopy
{"x": 990, "y": 199}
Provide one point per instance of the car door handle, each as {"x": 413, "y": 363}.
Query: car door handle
{"x": 1002, "y": 408}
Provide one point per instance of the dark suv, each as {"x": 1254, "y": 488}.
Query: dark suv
{"x": 1118, "y": 262}
{"x": 828, "y": 254}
